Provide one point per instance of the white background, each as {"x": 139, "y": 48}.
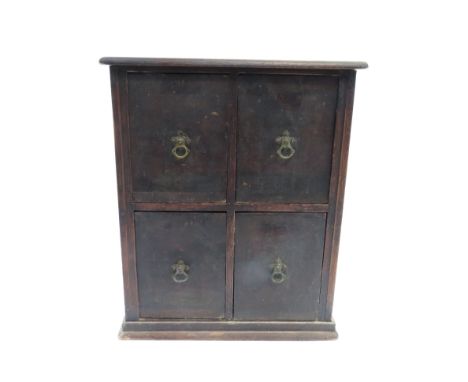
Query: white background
{"x": 401, "y": 295}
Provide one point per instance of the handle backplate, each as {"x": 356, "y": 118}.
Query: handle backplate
{"x": 285, "y": 150}
{"x": 180, "y": 272}
{"x": 181, "y": 142}
{"x": 279, "y": 271}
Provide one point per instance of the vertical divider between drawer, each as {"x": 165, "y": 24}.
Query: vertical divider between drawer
{"x": 231, "y": 198}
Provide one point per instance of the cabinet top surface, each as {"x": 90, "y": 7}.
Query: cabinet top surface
{"x": 233, "y": 64}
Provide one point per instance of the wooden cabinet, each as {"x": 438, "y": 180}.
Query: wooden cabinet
{"x": 231, "y": 181}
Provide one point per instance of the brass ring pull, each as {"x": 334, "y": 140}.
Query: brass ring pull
{"x": 180, "y": 272}
{"x": 278, "y": 274}
{"x": 285, "y": 151}
{"x": 181, "y": 142}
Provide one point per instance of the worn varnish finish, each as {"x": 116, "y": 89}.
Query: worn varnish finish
{"x": 223, "y": 237}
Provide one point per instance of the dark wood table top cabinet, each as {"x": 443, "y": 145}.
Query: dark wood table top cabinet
{"x": 231, "y": 179}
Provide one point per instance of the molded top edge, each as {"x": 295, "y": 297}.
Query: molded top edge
{"x": 233, "y": 64}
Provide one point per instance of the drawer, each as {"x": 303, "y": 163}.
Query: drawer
{"x": 181, "y": 264}
{"x": 178, "y": 136}
{"x": 286, "y": 128}
{"x": 278, "y": 260}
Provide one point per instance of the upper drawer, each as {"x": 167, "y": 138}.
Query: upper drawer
{"x": 178, "y": 136}
{"x": 286, "y": 128}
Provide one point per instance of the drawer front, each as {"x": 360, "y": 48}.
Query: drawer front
{"x": 286, "y": 128}
{"x": 178, "y": 136}
{"x": 278, "y": 262}
{"x": 181, "y": 264}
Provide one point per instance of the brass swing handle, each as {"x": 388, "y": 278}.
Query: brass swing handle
{"x": 181, "y": 142}
{"x": 278, "y": 273}
{"x": 285, "y": 150}
{"x": 180, "y": 272}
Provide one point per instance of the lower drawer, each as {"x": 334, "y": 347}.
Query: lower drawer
{"x": 278, "y": 262}
{"x": 181, "y": 264}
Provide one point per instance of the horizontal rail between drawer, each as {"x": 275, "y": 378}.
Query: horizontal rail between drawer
{"x": 223, "y": 207}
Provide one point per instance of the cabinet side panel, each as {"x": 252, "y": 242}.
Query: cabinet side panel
{"x": 119, "y": 105}
{"x": 337, "y": 188}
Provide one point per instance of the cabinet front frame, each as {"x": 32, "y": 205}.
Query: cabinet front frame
{"x": 333, "y": 209}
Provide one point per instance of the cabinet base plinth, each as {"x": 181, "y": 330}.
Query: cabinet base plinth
{"x": 228, "y": 330}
